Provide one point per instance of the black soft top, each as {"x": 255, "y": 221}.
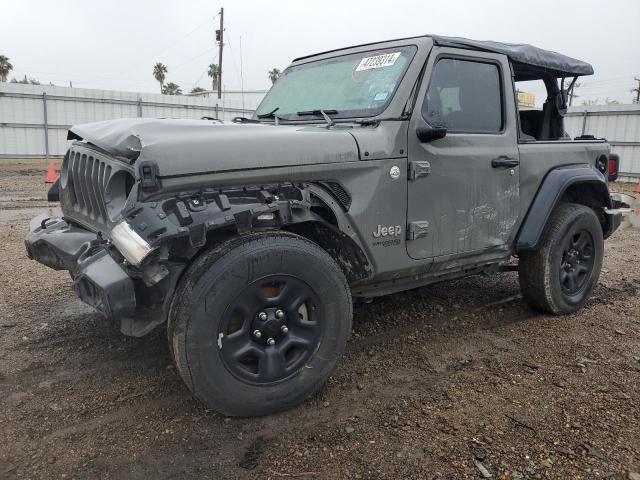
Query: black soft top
{"x": 526, "y": 55}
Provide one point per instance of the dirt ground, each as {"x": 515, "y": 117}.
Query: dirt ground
{"x": 438, "y": 383}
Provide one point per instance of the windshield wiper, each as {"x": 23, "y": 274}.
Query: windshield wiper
{"x": 324, "y": 113}
{"x": 244, "y": 120}
{"x": 270, "y": 114}
{"x": 317, "y": 112}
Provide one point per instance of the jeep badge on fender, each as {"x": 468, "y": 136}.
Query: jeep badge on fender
{"x": 390, "y": 230}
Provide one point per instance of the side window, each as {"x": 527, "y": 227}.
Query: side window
{"x": 464, "y": 96}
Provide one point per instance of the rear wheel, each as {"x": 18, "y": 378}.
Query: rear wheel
{"x": 258, "y": 323}
{"x": 561, "y": 274}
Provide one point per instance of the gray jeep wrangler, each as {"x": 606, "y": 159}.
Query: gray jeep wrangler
{"x": 365, "y": 171}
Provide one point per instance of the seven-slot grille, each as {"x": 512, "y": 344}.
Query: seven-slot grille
{"x": 87, "y": 177}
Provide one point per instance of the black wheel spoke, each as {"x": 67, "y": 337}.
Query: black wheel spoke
{"x": 292, "y": 295}
{"x": 238, "y": 345}
{"x": 272, "y": 365}
{"x": 300, "y": 337}
{"x": 563, "y": 276}
{"x": 582, "y": 268}
{"x": 581, "y": 242}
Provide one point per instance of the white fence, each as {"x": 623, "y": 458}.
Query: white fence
{"x": 619, "y": 124}
{"x": 34, "y": 119}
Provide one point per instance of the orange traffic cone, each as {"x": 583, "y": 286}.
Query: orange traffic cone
{"x": 51, "y": 173}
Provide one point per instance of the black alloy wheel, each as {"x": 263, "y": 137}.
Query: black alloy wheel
{"x": 271, "y": 329}
{"x": 577, "y": 262}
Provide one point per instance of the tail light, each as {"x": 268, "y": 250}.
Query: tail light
{"x": 614, "y": 164}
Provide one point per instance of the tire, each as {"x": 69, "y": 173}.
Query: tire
{"x": 217, "y": 309}
{"x": 560, "y": 275}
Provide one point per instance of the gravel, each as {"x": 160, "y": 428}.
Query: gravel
{"x": 417, "y": 395}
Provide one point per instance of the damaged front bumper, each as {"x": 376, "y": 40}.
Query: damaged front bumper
{"x": 98, "y": 279}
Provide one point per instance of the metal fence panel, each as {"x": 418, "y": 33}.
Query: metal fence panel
{"x": 23, "y": 109}
{"x": 619, "y": 124}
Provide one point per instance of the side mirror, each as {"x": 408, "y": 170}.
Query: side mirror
{"x": 429, "y": 134}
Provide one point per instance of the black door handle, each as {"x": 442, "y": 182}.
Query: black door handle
{"x": 504, "y": 162}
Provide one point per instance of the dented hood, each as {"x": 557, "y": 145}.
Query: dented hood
{"x": 182, "y": 147}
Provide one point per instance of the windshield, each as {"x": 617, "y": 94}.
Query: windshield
{"x": 355, "y": 85}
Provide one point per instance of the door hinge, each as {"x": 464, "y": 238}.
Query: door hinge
{"x": 419, "y": 169}
{"x": 417, "y": 230}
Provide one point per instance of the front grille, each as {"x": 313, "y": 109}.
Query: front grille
{"x": 87, "y": 178}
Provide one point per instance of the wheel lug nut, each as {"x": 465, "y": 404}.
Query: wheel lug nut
{"x": 262, "y": 316}
{"x": 284, "y": 329}
{"x": 257, "y": 333}
{"x": 279, "y": 314}
{"x": 271, "y": 341}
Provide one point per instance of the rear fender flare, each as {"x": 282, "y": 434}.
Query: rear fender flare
{"x": 554, "y": 186}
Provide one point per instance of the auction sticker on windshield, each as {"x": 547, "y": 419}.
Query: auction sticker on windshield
{"x": 378, "y": 61}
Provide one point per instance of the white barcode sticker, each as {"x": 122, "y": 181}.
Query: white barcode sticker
{"x": 378, "y": 61}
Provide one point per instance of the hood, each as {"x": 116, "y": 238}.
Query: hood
{"x": 182, "y": 147}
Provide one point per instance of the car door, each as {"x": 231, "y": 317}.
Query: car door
{"x": 463, "y": 189}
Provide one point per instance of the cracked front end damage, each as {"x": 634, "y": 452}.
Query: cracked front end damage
{"x": 176, "y": 230}
{"x": 141, "y": 198}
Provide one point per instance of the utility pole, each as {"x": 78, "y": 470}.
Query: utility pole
{"x": 220, "y": 39}
{"x": 637, "y": 90}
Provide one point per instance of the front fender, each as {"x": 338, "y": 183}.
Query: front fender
{"x": 554, "y": 186}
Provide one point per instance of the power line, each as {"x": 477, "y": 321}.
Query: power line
{"x": 233, "y": 58}
{"x": 209, "y": 50}
{"x": 200, "y": 78}
{"x": 155, "y": 55}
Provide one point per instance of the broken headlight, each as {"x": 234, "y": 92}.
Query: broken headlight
{"x": 131, "y": 245}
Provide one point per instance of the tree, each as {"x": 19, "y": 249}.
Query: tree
{"x": 197, "y": 90}
{"x": 159, "y": 73}
{"x": 26, "y": 81}
{"x": 274, "y": 75}
{"x": 172, "y": 89}
{"x": 5, "y": 68}
{"x": 611, "y": 101}
{"x": 214, "y": 73}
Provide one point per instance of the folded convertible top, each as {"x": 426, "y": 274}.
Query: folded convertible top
{"x": 559, "y": 64}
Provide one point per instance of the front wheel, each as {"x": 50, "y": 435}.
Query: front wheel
{"x": 257, "y": 324}
{"x": 561, "y": 274}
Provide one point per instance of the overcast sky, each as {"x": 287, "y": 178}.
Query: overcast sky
{"x": 114, "y": 44}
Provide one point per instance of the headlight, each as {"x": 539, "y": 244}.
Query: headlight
{"x": 131, "y": 245}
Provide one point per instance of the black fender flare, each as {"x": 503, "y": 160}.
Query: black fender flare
{"x": 555, "y": 184}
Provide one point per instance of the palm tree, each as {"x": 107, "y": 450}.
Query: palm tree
{"x": 274, "y": 75}
{"x": 159, "y": 73}
{"x": 214, "y": 73}
{"x": 5, "y": 68}
{"x": 172, "y": 89}
{"x": 197, "y": 90}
